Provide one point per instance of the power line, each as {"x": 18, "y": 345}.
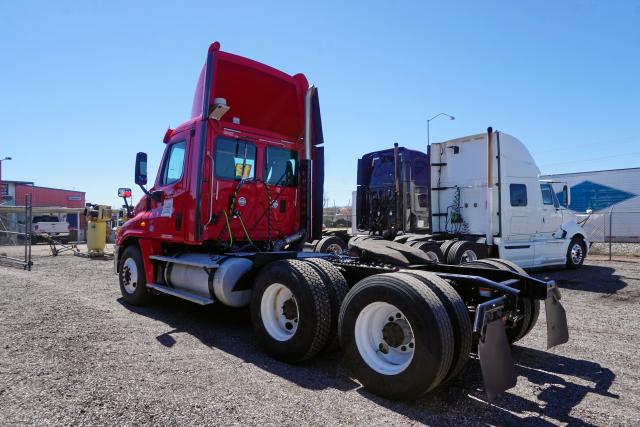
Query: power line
{"x": 594, "y": 159}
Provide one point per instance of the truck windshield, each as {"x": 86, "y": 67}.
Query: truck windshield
{"x": 281, "y": 167}
{"x": 230, "y": 157}
{"x": 383, "y": 171}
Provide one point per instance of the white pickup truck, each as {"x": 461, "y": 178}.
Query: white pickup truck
{"x": 49, "y": 225}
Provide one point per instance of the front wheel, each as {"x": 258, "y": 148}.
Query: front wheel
{"x": 576, "y": 253}
{"x": 132, "y": 278}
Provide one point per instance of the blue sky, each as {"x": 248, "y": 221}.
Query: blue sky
{"x": 86, "y": 85}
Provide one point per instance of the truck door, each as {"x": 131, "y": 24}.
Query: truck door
{"x": 168, "y": 214}
{"x": 517, "y": 244}
{"x": 551, "y": 217}
{"x": 281, "y": 172}
{"x": 548, "y": 248}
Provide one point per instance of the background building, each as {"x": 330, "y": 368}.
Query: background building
{"x": 614, "y": 197}
{"x": 14, "y": 192}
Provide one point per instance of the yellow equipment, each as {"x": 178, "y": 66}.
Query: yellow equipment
{"x": 97, "y": 218}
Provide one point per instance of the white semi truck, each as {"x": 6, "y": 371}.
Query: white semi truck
{"x": 467, "y": 198}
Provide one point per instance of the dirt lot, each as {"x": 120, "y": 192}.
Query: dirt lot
{"x": 72, "y": 353}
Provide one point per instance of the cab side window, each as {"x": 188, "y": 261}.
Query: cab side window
{"x": 281, "y": 167}
{"x": 547, "y": 194}
{"x": 232, "y": 156}
{"x": 518, "y": 193}
{"x": 174, "y": 163}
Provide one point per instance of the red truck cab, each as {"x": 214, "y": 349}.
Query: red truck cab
{"x": 235, "y": 176}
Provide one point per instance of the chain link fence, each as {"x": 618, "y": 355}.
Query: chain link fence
{"x": 613, "y": 232}
{"x": 15, "y": 235}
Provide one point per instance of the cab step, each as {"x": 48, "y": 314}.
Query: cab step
{"x": 180, "y": 294}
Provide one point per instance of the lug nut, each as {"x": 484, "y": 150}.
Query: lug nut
{"x": 410, "y": 345}
{"x": 288, "y": 325}
{"x": 398, "y": 315}
{"x": 403, "y": 348}
{"x": 391, "y": 319}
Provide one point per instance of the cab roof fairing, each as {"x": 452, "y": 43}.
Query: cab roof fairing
{"x": 259, "y": 96}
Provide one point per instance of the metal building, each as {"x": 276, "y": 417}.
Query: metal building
{"x": 614, "y": 197}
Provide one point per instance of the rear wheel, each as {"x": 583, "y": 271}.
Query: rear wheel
{"x": 431, "y": 249}
{"x": 458, "y": 315}
{"x": 444, "y": 247}
{"x": 132, "y": 278}
{"x": 529, "y": 308}
{"x": 576, "y": 253}
{"x": 331, "y": 245}
{"x": 464, "y": 251}
{"x": 290, "y": 310}
{"x": 337, "y": 287}
{"x": 396, "y": 335}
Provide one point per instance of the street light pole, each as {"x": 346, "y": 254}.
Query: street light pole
{"x": 429, "y": 121}
{"x": 2, "y": 160}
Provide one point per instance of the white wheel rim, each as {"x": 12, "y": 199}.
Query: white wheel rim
{"x": 130, "y": 275}
{"x": 279, "y": 311}
{"x": 468, "y": 256}
{"x": 387, "y": 357}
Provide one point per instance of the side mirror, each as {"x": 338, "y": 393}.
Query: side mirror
{"x": 124, "y": 192}
{"x": 141, "y": 169}
{"x": 589, "y": 211}
{"x": 567, "y": 197}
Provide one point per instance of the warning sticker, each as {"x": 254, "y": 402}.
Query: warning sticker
{"x": 167, "y": 208}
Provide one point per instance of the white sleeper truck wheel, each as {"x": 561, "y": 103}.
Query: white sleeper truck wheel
{"x": 463, "y": 251}
{"x": 576, "y": 253}
{"x": 396, "y": 335}
{"x": 133, "y": 282}
{"x": 290, "y": 310}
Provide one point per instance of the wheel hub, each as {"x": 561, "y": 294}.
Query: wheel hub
{"x": 576, "y": 253}
{"x": 130, "y": 275}
{"x": 397, "y": 333}
{"x": 290, "y": 309}
{"x": 384, "y": 338}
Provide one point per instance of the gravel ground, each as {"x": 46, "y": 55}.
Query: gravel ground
{"x": 72, "y": 353}
{"x": 617, "y": 249}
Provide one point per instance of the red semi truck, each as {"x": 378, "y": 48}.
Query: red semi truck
{"x": 239, "y": 193}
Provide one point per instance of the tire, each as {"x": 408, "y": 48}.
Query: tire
{"x": 331, "y": 244}
{"x": 458, "y": 315}
{"x": 432, "y": 249}
{"x": 463, "y": 251}
{"x": 444, "y": 247}
{"x": 535, "y": 304}
{"x": 576, "y": 253}
{"x": 529, "y": 307}
{"x": 132, "y": 278}
{"x": 338, "y": 288}
{"x": 422, "y": 353}
{"x": 290, "y": 285}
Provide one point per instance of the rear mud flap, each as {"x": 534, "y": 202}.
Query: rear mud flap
{"x": 496, "y": 361}
{"x": 557, "y": 329}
